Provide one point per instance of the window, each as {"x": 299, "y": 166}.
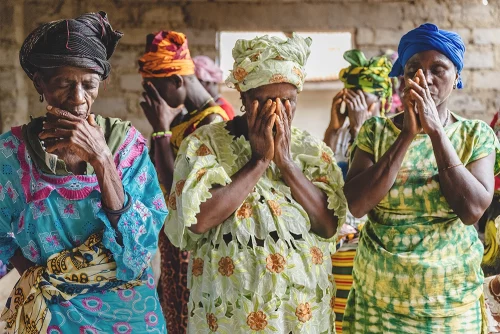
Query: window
{"x": 324, "y": 63}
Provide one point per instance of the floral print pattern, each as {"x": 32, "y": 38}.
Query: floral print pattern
{"x": 270, "y": 251}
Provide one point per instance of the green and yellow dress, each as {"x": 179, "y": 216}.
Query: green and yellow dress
{"x": 418, "y": 267}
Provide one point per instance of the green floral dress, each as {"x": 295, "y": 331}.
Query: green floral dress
{"x": 262, "y": 270}
{"x": 418, "y": 267}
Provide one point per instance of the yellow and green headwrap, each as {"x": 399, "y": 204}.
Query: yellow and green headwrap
{"x": 266, "y": 60}
{"x": 371, "y": 76}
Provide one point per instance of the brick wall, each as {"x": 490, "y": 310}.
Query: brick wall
{"x": 376, "y": 24}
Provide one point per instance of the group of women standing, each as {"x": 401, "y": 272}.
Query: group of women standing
{"x": 257, "y": 203}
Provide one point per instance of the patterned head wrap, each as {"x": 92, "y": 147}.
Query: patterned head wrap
{"x": 206, "y": 70}
{"x": 87, "y": 42}
{"x": 267, "y": 60}
{"x": 371, "y": 76}
{"x": 429, "y": 37}
{"x": 167, "y": 53}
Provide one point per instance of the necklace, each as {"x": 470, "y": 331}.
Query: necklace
{"x": 202, "y": 106}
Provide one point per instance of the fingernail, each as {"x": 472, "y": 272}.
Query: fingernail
{"x": 49, "y": 107}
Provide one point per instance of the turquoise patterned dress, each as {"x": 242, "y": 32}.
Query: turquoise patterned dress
{"x": 44, "y": 214}
{"x": 418, "y": 267}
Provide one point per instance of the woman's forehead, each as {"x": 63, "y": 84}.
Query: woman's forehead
{"x": 428, "y": 57}
{"x": 278, "y": 90}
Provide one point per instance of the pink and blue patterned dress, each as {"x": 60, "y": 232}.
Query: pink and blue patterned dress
{"x": 44, "y": 214}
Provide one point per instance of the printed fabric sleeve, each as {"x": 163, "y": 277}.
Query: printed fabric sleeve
{"x": 11, "y": 198}
{"x": 484, "y": 142}
{"x": 319, "y": 166}
{"x": 196, "y": 171}
{"x": 141, "y": 224}
{"x": 366, "y": 137}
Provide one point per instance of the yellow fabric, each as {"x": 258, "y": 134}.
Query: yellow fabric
{"x": 179, "y": 131}
{"x": 166, "y": 55}
{"x": 491, "y": 246}
{"x": 67, "y": 274}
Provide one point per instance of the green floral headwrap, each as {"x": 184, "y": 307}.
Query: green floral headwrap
{"x": 371, "y": 76}
{"x": 267, "y": 60}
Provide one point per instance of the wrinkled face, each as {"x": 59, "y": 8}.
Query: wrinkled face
{"x": 169, "y": 88}
{"x": 284, "y": 91}
{"x": 440, "y": 73}
{"x": 69, "y": 88}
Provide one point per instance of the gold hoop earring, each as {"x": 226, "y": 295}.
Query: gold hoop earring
{"x": 41, "y": 98}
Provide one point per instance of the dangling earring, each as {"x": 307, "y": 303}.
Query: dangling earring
{"x": 41, "y": 98}
{"x": 242, "y": 108}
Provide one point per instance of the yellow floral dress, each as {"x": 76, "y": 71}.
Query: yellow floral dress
{"x": 418, "y": 267}
{"x": 261, "y": 270}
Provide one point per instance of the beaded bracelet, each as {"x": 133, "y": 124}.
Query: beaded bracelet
{"x": 121, "y": 211}
{"x": 450, "y": 167}
{"x": 161, "y": 134}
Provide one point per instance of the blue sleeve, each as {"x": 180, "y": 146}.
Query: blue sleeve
{"x": 10, "y": 195}
{"x": 141, "y": 224}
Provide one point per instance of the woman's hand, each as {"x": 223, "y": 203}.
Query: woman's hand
{"x": 411, "y": 122}
{"x": 159, "y": 114}
{"x": 260, "y": 130}
{"x": 357, "y": 110}
{"x": 282, "y": 139}
{"x": 336, "y": 118}
{"x": 424, "y": 104}
{"x": 83, "y": 137}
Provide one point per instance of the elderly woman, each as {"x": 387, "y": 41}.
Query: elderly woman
{"x": 210, "y": 76}
{"x": 258, "y": 203}
{"x": 175, "y": 104}
{"x": 424, "y": 178}
{"x": 367, "y": 93}
{"x": 81, "y": 205}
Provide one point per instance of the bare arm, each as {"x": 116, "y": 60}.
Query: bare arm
{"x": 86, "y": 139}
{"x": 367, "y": 182}
{"x": 164, "y": 161}
{"x": 226, "y": 199}
{"x": 475, "y": 181}
{"x": 314, "y": 201}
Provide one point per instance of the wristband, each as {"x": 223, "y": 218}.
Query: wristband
{"x": 161, "y": 134}
{"x": 121, "y": 211}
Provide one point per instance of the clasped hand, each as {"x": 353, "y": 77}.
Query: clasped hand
{"x": 420, "y": 109}
{"x": 267, "y": 144}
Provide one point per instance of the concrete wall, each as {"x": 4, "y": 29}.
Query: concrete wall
{"x": 376, "y": 24}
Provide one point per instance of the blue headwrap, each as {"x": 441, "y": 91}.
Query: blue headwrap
{"x": 429, "y": 37}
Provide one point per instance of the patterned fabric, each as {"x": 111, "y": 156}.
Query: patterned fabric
{"x": 342, "y": 264}
{"x": 371, "y": 76}
{"x": 44, "y": 214}
{"x": 182, "y": 130}
{"x": 167, "y": 53}
{"x": 267, "y": 60}
{"x": 262, "y": 269}
{"x": 429, "y": 37}
{"x": 206, "y": 70}
{"x": 86, "y": 42}
{"x": 172, "y": 287}
{"x": 87, "y": 268}
{"x": 416, "y": 261}
{"x": 371, "y": 319}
